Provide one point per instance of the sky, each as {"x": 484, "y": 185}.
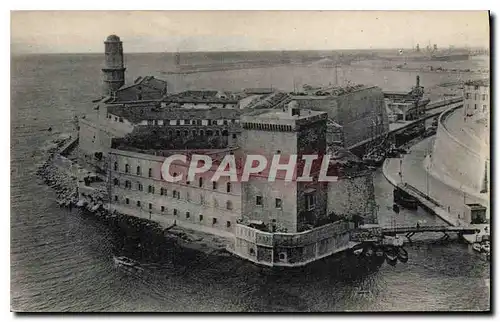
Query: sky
{"x": 170, "y": 31}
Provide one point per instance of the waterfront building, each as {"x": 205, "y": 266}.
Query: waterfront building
{"x": 359, "y": 109}
{"x": 408, "y": 105}
{"x": 476, "y": 96}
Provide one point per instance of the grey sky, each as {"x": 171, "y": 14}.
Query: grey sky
{"x": 157, "y": 31}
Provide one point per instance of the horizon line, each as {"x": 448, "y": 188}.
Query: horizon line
{"x": 239, "y": 51}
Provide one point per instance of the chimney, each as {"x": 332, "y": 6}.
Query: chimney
{"x": 293, "y": 108}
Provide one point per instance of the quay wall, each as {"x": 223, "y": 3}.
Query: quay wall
{"x": 353, "y": 195}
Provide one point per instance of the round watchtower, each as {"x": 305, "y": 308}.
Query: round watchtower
{"x": 114, "y": 70}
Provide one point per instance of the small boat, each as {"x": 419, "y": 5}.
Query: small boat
{"x": 368, "y": 251}
{"x": 485, "y": 248}
{"x": 391, "y": 256}
{"x": 127, "y": 263}
{"x": 404, "y": 199}
{"x": 476, "y": 247}
{"x": 358, "y": 251}
{"x": 402, "y": 255}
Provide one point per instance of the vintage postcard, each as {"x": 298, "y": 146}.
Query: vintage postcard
{"x": 250, "y": 161}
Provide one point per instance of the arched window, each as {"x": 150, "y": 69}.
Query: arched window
{"x": 228, "y": 187}
{"x": 202, "y": 133}
{"x": 151, "y": 189}
{"x": 229, "y": 205}
{"x": 139, "y": 186}
{"x": 200, "y": 182}
{"x": 194, "y": 132}
{"x": 150, "y": 172}
{"x": 177, "y": 133}
{"x": 116, "y": 182}
{"x": 127, "y": 168}
{"x": 116, "y": 166}
{"x": 138, "y": 170}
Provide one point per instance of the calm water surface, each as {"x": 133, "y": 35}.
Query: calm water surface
{"x": 62, "y": 261}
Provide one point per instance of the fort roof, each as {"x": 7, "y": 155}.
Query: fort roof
{"x": 202, "y": 96}
{"x": 329, "y": 92}
{"x": 137, "y": 114}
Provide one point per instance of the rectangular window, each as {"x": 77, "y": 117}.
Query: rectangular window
{"x": 234, "y": 136}
{"x": 116, "y": 198}
{"x": 310, "y": 201}
{"x": 278, "y": 203}
{"x": 150, "y": 172}
{"x": 484, "y": 97}
{"x": 175, "y": 212}
{"x": 162, "y": 208}
{"x": 214, "y": 185}
{"x": 127, "y": 201}
{"x": 150, "y": 206}
{"x": 214, "y": 221}
{"x": 201, "y": 217}
{"x": 258, "y": 200}
{"x": 187, "y": 214}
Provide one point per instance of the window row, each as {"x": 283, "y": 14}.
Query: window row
{"x": 175, "y": 194}
{"x": 278, "y": 203}
{"x": 484, "y": 97}
{"x": 163, "y": 209}
{"x": 310, "y": 202}
{"x": 138, "y": 170}
{"x": 192, "y": 122}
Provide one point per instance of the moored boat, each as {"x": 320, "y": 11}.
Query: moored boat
{"x": 402, "y": 255}
{"x": 476, "y": 247}
{"x": 404, "y": 199}
{"x": 391, "y": 256}
{"x": 127, "y": 263}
